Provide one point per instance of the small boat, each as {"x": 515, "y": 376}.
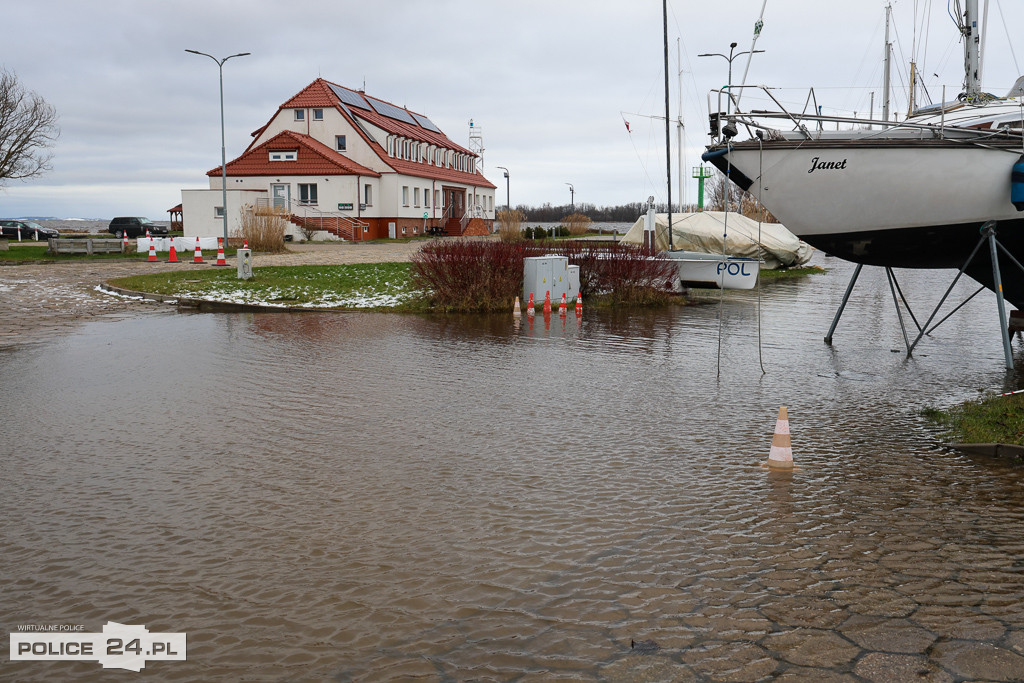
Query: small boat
{"x": 702, "y": 270}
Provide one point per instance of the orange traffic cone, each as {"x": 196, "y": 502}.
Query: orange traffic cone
{"x": 126, "y": 240}
{"x": 172, "y": 257}
{"x": 516, "y": 312}
{"x": 781, "y": 455}
{"x": 245, "y": 244}
{"x": 561, "y": 306}
{"x": 152, "y": 251}
{"x": 579, "y": 304}
{"x": 547, "y": 302}
{"x": 220, "y": 253}
{"x": 531, "y": 308}
{"x": 198, "y": 258}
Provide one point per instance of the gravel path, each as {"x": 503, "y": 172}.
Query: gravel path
{"x": 40, "y": 301}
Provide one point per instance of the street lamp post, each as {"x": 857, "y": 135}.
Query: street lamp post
{"x": 572, "y": 198}
{"x": 729, "y": 58}
{"x": 223, "y": 155}
{"x": 508, "y": 202}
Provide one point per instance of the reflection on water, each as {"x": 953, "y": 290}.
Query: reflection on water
{"x": 366, "y": 496}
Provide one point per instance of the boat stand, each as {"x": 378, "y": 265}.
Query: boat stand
{"x": 988, "y": 234}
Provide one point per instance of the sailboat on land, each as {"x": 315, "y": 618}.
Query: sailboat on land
{"x": 913, "y": 194}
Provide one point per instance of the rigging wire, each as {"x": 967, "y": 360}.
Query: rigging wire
{"x": 1009, "y": 40}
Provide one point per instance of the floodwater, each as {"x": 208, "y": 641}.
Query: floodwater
{"x": 385, "y": 497}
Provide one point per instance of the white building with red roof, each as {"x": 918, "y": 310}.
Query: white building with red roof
{"x": 352, "y": 166}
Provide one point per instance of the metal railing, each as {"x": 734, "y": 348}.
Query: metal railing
{"x": 306, "y": 214}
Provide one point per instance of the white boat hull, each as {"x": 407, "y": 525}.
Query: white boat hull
{"x": 697, "y": 269}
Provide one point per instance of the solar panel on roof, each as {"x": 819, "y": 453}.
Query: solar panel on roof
{"x": 348, "y": 97}
{"x": 391, "y": 111}
{"x": 426, "y": 123}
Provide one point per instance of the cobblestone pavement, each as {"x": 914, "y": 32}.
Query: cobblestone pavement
{"x": 41, "y": 300}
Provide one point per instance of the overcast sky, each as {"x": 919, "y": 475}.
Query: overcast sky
{"x": 550, "y": 82}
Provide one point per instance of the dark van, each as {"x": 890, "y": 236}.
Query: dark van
{"x": 135, "y": 226}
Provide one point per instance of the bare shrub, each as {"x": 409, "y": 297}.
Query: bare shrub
{"x": 264, "y": 227}
{"x": 509, "y": 222}
{"x": 577, "y": 224}
{"x": 477, "y": 276}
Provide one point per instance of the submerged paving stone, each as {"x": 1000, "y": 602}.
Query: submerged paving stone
{"x": 953, "y": 624}
{"x": 980, "y": 660}
{"x": 736, "y": 661}
{"x": 884, "y": 667}
{"x": 809, "y": 647}
{"x": 807, "y": 612}
{"x": 889, "y": 635}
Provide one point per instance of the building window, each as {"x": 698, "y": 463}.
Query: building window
{"x": 291, "y": 155}
{"x": 415, "y": 196}
{"x": 300, "y": 114}
{"x": 403, "y": 229}
{"x": 339, "y": 143}
{"x": 426, "y": 197}
{"x": 437, "y": 199}
{"x": 405, "y": 195}
{"x": 391, "y": 147}
{"x": 307, "y": 193}
{"x": 218, "y": 212}
{"x": 318, "y": 114}
{"x": 368, "y": 195}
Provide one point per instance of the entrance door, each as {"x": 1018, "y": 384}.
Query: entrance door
{"x": 281, "y": 195}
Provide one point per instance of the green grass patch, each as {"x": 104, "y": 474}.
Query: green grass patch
{"x": 359, "y": 286}
{"x": 997, "y": 419}
{"x": 786, "y": 273}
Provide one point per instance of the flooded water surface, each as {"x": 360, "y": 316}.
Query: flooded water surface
{"x": 375, "y": 497}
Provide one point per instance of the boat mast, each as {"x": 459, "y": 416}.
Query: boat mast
{"x": 888, "y": 61}
{"x": 680, "y": 127}
{"x": 972, "y": 52}
{"x": 668, "y": 124}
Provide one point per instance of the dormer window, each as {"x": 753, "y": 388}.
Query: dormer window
{"x": 300, "y": 114}
{"x": 284, "y": 155}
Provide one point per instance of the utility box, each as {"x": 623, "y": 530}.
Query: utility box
{"x": 542, "y": 274}
{"x": 244, "y": 260}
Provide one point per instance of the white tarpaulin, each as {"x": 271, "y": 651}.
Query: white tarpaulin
{"x": 702, "y": 231}
{"x": 181, "y": 244}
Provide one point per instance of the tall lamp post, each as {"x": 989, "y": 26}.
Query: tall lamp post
{"x": 508, "y": 202}
{"x": 572, "y": 198}
{"x": 729, "y": 58}
{"x": 223, "y": 156}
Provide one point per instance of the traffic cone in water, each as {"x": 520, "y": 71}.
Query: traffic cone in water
{"x": 579, "y": 304}
{"x": 220, "y": 253}
{"x": 172, "y": 257}
{"x": 516, "y": 312}
{"x": 562, "y": 306}
{"x": 198, "y": 258}
{"x": 152, "y": 251}
{"x": 781, "y": 455}
{"x": 531, "y": 307}
{"x": 547, "y": 302}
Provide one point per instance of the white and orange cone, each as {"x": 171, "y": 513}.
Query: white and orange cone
{"x": 172, "y": 256}
{"x": 562, "y": 306}
{"x": 125, "y": 233}
{"x": 579, "y": 304}
{"x": 781, "y": 455}
{"x": 220, "y": 253}
{"x": 198, "y": 258}
{"x": 547, "y": 302}
{"x": 152, "y": 251}
{"x": 516, "y": 311}
{"x": 531, "y": 307}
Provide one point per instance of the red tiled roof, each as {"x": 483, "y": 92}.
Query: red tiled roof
{"x": 314, "y": 158}
{"x": 316, "y": 94}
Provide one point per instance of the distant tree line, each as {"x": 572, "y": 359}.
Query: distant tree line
{"x": 623, "y": 213}
{"x": 716, "y": 189}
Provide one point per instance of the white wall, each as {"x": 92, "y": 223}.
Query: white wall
{"x": 199, "y": 218}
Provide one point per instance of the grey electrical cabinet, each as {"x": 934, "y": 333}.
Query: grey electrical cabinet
{"x": 542, "y": 274}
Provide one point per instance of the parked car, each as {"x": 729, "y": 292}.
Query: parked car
{"x": 135, "y": 226}
{"x": 28, "y": 230}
